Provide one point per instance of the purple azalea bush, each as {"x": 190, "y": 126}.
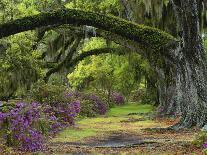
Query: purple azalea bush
{"x": 98, "y": 106}
{"x": 25, "y": 126}
{"x": 18, "y": 124}
{"x": 61, "y": 115}
{"x": 117, "y": 98}
{"x": 205, "y": 145}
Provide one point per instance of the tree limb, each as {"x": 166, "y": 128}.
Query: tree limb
{"x": 68, "y": 58}
{"x": 99, "y": 51}
{"x": 146, "y": 36}
{"x": 72, "y": 63}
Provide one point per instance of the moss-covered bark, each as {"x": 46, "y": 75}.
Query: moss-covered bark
{"x": 191, "y": 73}
{"x": 70, "y": 64}
{"x": 146, "y": 36}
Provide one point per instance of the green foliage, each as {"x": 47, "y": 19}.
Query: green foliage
{"x": 101, "y": 6}
{"x": 137, "y": 95}
{"x": 130, "y": 108}
{"x": 108, "y": 72}
{"x": 87, "y": 109}
{"x": 48, "y": 93}
{"x": 18, "y": 66}
{"x": 205, "y": 43}
{"x": 148, "y": 98}
{"x": 6, "y": 150}
{"x": 200, "y": 138}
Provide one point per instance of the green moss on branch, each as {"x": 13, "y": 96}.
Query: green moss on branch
{"x": 98, "y": 51}
{"x": 146, "y": 36}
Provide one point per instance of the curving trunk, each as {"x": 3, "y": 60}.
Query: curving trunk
{"x": 191, "y": 67}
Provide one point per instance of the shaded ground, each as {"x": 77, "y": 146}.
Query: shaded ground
{"x": 124, "y": 130}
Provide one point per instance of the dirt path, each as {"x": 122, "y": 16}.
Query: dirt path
{"x": 120, "y": 133}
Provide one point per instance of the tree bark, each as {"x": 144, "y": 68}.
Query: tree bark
{"x": 191, "y": 67}
{"x": 145, "y": 36}
{"x": 167, "y": 93}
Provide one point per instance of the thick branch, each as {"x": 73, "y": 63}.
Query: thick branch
{"x": 71, "y": 63}
{"x": 99, "y": 51}
{"x": 64, "y": 62}
{"x": 146, "y": 36}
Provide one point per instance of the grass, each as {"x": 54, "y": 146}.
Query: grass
{"x": 118, "y": 122}
{"x": 130, "y": 108}
{"x": 103, "y": 125}
{"x": 74, "y": 135}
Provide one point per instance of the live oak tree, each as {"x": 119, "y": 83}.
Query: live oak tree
{"x": 158, "y": 13}
{"x": 190, "y": 24}
{"x": 187, "y": 56}
{"x": 191, "y": 66}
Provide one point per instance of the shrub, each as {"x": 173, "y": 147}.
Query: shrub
{"x": 7, "y": 150}
{"x": 99, "y": 106}
{"x": 25, "y": 126}
{"x": 87, "y": 109}
{"x": 61, "y": 115}
{"x": 91, "y": 104}
{"x": 117, "y": 98}
{"x": 201, "y": 140}
{"x": 19, "y": 127}
{"x": 47, "y": 93}
{"x": 136, "y": 96}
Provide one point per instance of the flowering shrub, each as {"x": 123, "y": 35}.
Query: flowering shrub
{"x": 117, "y": 98}
{"x": 25, "y": 126}
{"x": 61, "y": 116}
{"x": 87, "y": 109}
{"x": 54, "y": 95}
{"x": 99, "y": 106}
{"x": 19, "y": 126}
{"x": 91, "y": 104}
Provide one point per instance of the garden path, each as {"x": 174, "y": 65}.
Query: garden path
{"x": 124, "y": 130}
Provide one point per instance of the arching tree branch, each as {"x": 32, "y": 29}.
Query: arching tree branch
{"x": 98, "y": 51}
{"x": 146, "y": 36}
{"x": 70, "y": 63}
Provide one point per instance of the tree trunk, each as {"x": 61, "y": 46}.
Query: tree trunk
{"x": 191, "y": 67}
{"x": 167, "y": 93}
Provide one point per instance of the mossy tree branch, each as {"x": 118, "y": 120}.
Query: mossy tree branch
{"x": 73, "y": 62}
{"x": 67, "y": 59}
{"x": 146, "y": 36}
{"x": 98, "y": 51}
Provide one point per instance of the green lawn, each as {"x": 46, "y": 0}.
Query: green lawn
{"x": 111, "y": 122}
{"x": 130, "y": 108}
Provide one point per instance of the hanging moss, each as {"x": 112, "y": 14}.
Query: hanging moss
{"x": 146, "y": 36}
